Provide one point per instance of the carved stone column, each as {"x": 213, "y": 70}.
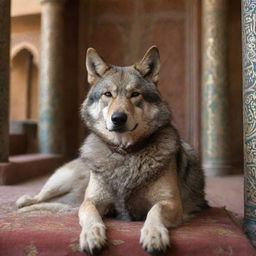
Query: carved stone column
{"x": 4, "y": 78}
{"x": 249, "y": 111}
{"x": 215, "y": 132}
{"x": 51, "y": 125}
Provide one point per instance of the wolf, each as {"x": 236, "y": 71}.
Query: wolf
{"x": 133, "y": 165}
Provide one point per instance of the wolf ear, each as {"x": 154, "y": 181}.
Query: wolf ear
{"x": 95, "y": 65}
{"x": 149, "y": 66}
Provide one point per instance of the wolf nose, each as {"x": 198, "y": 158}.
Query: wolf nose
{"x": 119, "y": 118}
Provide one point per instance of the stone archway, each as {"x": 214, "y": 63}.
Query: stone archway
{"x": 23, "y": 85}
{"x": 29, "y": 47}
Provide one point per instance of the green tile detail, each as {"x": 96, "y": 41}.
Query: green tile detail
{"x": 249, "y": 114}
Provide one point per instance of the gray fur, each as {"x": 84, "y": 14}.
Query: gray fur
{"x": 146, "y": 169}
{"x": 127, "y": 173}
{"x": 121, "y": 77}
{"x": 125, "y": 170}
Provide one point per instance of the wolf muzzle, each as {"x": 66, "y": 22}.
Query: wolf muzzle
{"x": 119, "y": 120}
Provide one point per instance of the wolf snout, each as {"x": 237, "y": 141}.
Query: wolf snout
{"x": 119, "y": 119}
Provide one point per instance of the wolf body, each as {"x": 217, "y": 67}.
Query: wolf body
{"x": 133, "y": 165}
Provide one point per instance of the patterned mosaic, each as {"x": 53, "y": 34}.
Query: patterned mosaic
{"x": 249, "y": 95}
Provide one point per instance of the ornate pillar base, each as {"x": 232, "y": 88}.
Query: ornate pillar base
{"x": 250, "y": 226}
{"x": 214, "y": 169}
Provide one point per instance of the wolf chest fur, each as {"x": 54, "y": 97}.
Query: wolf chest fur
{"x": 126, "y": 173}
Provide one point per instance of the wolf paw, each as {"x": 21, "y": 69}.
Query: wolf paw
{"x": 94, "y": 239}
{"x": 25, "y": 200}
{"x": 154, "y": 239}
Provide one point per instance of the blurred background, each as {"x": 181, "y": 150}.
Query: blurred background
{"x": 201, "y": 71}
{"x": 43, "y": 83}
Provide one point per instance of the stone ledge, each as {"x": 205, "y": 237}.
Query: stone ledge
{"x": 24, "y": 167}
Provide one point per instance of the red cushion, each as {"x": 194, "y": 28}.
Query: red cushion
{"x": 211, "y": 233}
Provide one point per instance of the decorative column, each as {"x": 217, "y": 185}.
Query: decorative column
{"x": 51, "y": 112}
{"x": 249, "y": 111}
{"x": 215, "y": 129}
{"x": 4, "y": 78}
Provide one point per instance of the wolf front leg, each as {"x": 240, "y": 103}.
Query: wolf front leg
{"x": 154, "y": 234}
{"x": 165, "y": 213}
{"x": 95, "y": 205}
{"x": 93, "y": 235}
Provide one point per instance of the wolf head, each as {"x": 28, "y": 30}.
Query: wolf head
{"x": 123, "y": 105}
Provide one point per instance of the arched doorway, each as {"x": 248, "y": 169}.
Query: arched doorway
{"x": 24, "y": 86}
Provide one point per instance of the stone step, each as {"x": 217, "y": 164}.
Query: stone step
{"x": 22, "y": 167}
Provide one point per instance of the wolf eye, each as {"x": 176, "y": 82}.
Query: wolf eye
{"x": 108, "y": 94}
{"x": 135, "y": 94}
